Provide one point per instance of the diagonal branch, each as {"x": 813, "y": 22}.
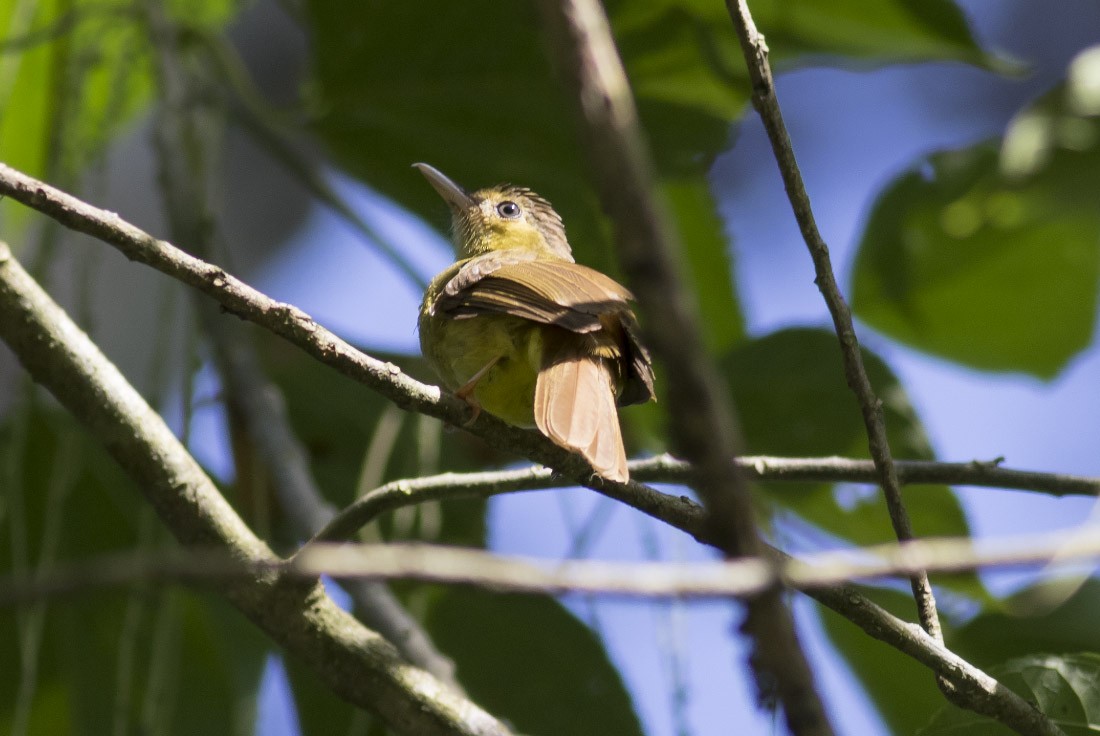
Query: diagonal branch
{"x": 764, "y": 99}
{"x": 703, "y": 429}
{"x": 295, "y": 326}
{"x": 356, "y": 663}
{"x": 262, "y": 407}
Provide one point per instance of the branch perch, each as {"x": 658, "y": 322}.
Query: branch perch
{"x": 356, "y": 663}
{"x": 295, "y": 326}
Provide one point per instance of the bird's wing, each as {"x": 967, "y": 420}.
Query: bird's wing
{"x": 555, "y": 292}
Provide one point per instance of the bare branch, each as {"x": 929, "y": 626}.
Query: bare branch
{"x": 357, "y": 664}
{"x": 680, "y": 511}
{"x": 765, "y": 102}
{"x": 989, "y": 696}
{"x": 295, "y": 326}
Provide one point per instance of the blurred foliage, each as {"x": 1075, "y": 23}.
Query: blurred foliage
{"x": 356, "y": 442}
{"x": 73, "y": 73}
{"x": 499, "y": 641}
{"x": 792, "y": 399}
{"x": 147, "y": 659}
{"x": 986, "y": 256}
{"x": 1063, "y": 687}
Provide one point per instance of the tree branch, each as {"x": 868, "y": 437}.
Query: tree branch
{"x": 261, "y": 404}
{"x": 295, "y": 326}
{"x": 764, "y": 100}
{"x": 815, "y": 574}
{"x": 702, "y": 429}
{"x": 680, "y": 511}
{"x": 357, "y": 664}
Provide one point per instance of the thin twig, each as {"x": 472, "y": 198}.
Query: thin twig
{"x": 764, "y": 100}
{"x": 703, "y": 428}
{"x": 666, "y": 469}
{"x": 981, "y": 692}
{"x": 357, "y": 664}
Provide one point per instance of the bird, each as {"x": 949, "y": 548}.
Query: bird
{"x": 516, "y": 327}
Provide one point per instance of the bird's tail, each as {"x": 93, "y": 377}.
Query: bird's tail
{"x": 575, "y": 407}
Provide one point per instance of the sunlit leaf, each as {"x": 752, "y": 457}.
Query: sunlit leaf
{"x": 990, "y": 259}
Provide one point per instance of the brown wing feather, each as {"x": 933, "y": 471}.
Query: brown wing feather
{"x": 575, "y": 407}
{"x": 560, "y": 293}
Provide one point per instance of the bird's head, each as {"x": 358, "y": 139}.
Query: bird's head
{"x": 503, "y": 217}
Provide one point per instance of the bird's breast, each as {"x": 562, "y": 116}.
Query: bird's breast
{"x": 459, "y": 348}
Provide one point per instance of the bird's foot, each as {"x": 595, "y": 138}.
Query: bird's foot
{"x": 466, "y": 391}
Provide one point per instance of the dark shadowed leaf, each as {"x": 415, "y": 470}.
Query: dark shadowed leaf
{"x": 873, "y": 31}
{"x": 792, "y": 399}
{"x": 512, "y": 650}
{"x": 476, "y": 97}
{"x": 1026, "y": 623}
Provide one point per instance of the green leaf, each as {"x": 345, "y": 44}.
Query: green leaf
{"x": 511, "y": 651}
{"x": 1062, "y": 687}
{"x": 903, "y": 691}
{"x": 1029, "y": 625}
{"x": 791, "y": 396}
{"x": 73, "y": 74}
{"x": 875, "y": 30}
{"x": 991, "y": 260}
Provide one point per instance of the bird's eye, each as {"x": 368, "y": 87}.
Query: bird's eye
{"x": 508, "y": 210}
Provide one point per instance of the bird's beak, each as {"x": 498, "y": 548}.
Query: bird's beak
{"x": 452, "y": 193}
